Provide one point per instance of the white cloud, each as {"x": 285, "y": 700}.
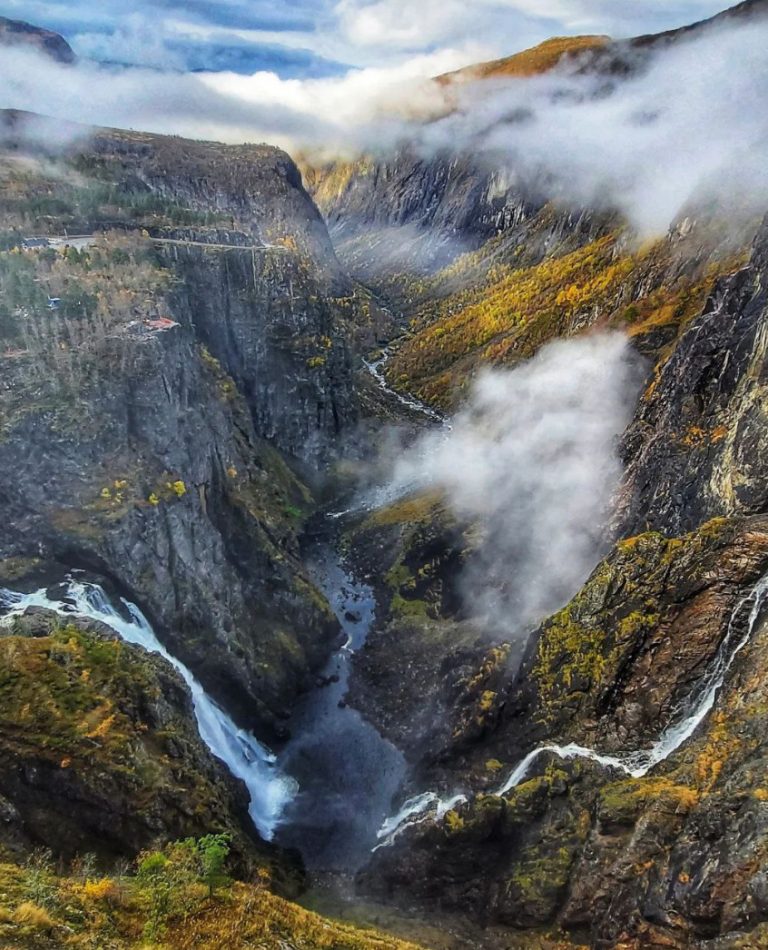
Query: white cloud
{"x": 359, "y": 32}
{"x": 135, "y": 40}
{"x": 502, "y": 26}
{"x": 533, "y": 459}
{"x": 685, "y": 128}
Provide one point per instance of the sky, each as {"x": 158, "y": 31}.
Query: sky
{"x": 307, "y": 39}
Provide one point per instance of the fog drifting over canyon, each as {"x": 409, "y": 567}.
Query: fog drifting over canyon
{"x": 532, "y": 458}
{"x": 684, "y": 129}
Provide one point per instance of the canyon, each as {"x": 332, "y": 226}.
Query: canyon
{"x": 394, "y": 518}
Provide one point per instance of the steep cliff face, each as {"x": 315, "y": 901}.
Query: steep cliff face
{"x": 154, "y": 477}
{"x": 275, "y": 312}
{"x": 410, "y": 212}
{"x": 640, "y": 820}
{"x": 153, "y": 395}
{"x": 264, "y": 318}
{"x": 611, "y": 859}
{"x": 696, "y": 448}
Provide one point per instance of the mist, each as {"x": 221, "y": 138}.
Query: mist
{"x": 684, "y": 133}
{"x": 532, "y": 460}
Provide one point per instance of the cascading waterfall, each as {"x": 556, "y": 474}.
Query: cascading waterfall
{"x": 636, "y": 764}
{"x": 269, "y": 789}
{"x": 376, "y": 369}
{"x": 415, "y": 811}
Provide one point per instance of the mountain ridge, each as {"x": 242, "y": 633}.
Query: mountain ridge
{"x": 21, "y": 33}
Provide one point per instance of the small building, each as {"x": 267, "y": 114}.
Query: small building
{"x": 35, "y": 243}
{"x": 54, "y": 303}
{"x": 160, "y": 323}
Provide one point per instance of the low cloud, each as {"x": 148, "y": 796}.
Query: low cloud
{"x": 685, "y": 131}
{"x": 532, "y": 459}
{"x": 224, "y": 106}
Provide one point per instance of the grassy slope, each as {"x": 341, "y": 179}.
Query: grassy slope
{"x": 39, "y": 909}
{"x": 530, "y": 62}
{"x": 509, "y": 314}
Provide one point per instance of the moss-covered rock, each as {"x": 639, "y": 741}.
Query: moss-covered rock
{"x": 100, "y": 750}
{"x": 670, "y": 857}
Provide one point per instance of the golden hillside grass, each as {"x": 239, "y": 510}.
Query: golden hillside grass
{"x": 531, "y": 62}
{"x": 112, "y": 914}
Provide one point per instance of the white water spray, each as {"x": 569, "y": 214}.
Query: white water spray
{"x": 376, "y": 369}
{"x": 636, "y": 764}
{"x": 414, "y": 812}
{"x": 244, "y": 756}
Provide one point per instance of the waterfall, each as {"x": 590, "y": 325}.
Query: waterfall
{"x": 376, "y": 369}
{"x": 637, "y": 763}
{"x": 245, "y": 757}
{"x": 415, "y": 811}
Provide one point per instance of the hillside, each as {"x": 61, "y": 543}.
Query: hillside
{"x": 539, "y": 59}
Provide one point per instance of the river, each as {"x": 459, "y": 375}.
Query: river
{"x": 330, "y": 788}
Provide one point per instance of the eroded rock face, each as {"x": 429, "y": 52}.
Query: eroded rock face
{"x": 158, "y": 481}
{"x": 409, "y": 215}
{"x": 264, "y": 316}
{"x": 672, "y": 857}
{"x": 272, "y": 313}
{"x": 586, "y": 847}
{"x": 697, "y": 447}
{"x": 165, "y": 469}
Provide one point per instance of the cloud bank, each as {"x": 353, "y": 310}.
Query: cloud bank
{"x": 687, "y": 128}
{"x": 533, "y": 459}
{"x": 293, "y": 38}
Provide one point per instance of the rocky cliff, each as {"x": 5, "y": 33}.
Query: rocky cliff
{"x": 98, "y": 742}
{"x": 625, "y": 830}
{"x": 177, "y": 379}
{"x": 636, "y": 821}
{"x": 185, "y": 348}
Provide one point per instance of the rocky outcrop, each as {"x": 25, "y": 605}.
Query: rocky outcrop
{"x": 414, "y": 552}
{"x": 696, "y": 448}
{"x": 611, "y": 859}
{"x": 670, "y": 856}
{"x": 274, "y": 313}
{"x": 155, "y": 479}
{"x": 206, "y": 335}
